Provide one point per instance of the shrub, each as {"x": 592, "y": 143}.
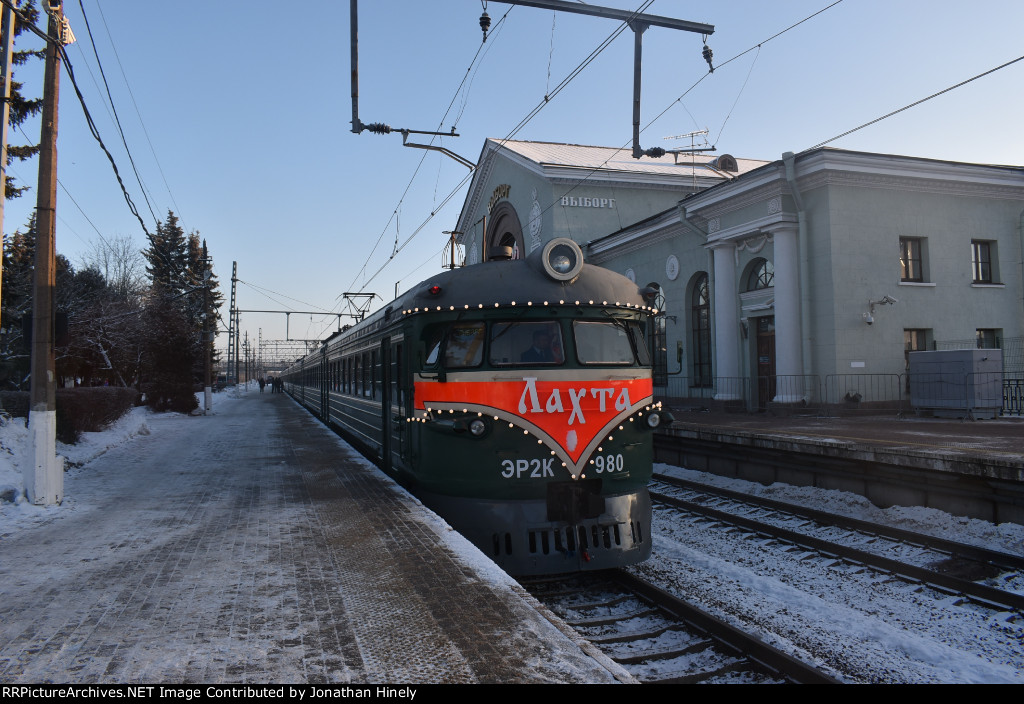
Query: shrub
{"x": 90, "y": 409}
{"x": 15, "y": 403}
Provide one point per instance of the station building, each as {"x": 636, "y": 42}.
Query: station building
{"x": 776, "y": 276}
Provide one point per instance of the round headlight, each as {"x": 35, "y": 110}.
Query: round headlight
{"x": 477, "y": 427}
{"x": 563, "y": 259}
{"x": 562, "y": 263}
{"x": 653, "y": 420}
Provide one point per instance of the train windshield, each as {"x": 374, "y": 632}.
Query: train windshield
{"x": 528, "y": 343}
{"x": 604, "y": 342}
{"x": 465, "y": 346}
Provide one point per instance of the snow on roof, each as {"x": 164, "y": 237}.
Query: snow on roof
{"x": 621, "y": 159}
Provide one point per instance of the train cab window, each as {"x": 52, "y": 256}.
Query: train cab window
{"x": 465, "y": 346}
{"x": 434, "y": 337}
{"x": 639, "y": 344}
{"x": 528, "y": 343}
{"x": 603, "y": 342}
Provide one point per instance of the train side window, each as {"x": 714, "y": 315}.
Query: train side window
{"x": 366, "y": 375}
{"x": 374, "y": 375}
{"x": 465, "y": 347}
{"x": 397, "y": 385}
{"x": 532, "y": 343}
{"x": 602, "y": 342}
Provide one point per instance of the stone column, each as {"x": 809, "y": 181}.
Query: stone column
{"x": 788, "y": 346}
{"x": 723, "y": 304}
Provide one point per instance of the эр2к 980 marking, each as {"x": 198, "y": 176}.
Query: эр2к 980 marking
{"x": 512, "y": 397}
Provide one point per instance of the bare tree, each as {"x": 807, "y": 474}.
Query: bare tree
{"x": 121, "y": 263}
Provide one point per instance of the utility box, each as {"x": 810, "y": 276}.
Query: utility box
{"x": 957, "y": 383}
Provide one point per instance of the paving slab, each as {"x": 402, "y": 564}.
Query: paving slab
{"x": 254, "y": 546}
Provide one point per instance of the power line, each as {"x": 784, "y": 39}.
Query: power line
{"x": 81, "y": 99}
{"x": 914, "y": 104}
{"x": 423, "y": 158}
{"x": 138, "y": 113}
{"x": 522, "y": 123}
{"x": 117, "y": 120}
{"x": 267, "y": 291}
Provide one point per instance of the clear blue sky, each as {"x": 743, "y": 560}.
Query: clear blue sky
{"x": 247, "y": 107}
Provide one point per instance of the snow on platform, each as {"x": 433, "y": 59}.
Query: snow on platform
{"x": 253, "y": 545}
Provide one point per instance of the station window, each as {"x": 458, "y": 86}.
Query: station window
{"x": 983, "y": 262}
{"x": 914, "y": 340}
{"x": 988, "y": 338}
{"x": 533, "y": 343}
{"x": 700, "y": 331}
{"x": 762, "y": 275}
{"x": 912, "y": 259}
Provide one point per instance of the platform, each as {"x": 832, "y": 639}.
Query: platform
{"x": 971, "y": 468}
{"x": 254, "y": 546}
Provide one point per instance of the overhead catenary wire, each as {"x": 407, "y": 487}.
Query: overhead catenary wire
{"x": 584, "y": 179}
{"x": 117, "y": 119}
{"x": 515, "y": 130}
{"x": 138, "y": 113}
{"x": 266, "y": 292}
{"x": 914, "y": 104}
{"x": 66, "y": 61}
{"x": 497, "y": 27}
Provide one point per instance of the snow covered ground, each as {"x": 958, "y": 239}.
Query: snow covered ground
{"x": 859, "y": 627}
{"x": 856, "y": 624}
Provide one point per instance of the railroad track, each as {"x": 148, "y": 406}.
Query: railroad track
{"x": 659, "y": 638}
{"x": 947, "y": 566}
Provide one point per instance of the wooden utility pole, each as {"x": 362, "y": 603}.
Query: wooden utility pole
{"x": 45, "y": 483}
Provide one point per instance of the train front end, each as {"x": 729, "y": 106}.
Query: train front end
{"x": 533, "y": 407}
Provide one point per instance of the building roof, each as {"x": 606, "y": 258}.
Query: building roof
{"x": 571, "y": 164}
{"x": 578, "y": 156}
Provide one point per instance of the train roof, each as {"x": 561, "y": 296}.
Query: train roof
{"x": 514, "y": 283}
{"x": 520, "y": 283}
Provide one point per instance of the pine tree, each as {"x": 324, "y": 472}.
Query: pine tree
{"x": 21, "y": 107}
{"x": 173, "y": 352}
{"x": 204, "y": 304}
{"x": 16, "y": 303}
{"x": 167, "y": 256}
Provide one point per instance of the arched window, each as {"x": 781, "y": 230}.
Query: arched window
{"x": 762, "y": 275}
{"x": 504, "y": 230}
{"x": 700, "y": 329}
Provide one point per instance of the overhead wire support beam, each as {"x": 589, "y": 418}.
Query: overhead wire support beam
{"x": 378, "y": 127}
{"x": 615, "y": 14}
{"x": 638, "y": 22}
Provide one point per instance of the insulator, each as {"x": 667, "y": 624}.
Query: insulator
{"x": 707, "y": 54}
{"x": 379, "y": 128}
{"x": 485, "y": 24}
{"x": 654, "y": 152}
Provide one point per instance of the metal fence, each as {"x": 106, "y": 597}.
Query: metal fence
{"x": 863, "y": 394}
{"x": 790, "y": 394}
{"x": 723, "y": 393}
{"x": 1013, "y": 397}
{"x": 1012, "y": 347}
{"x": 953, "y": 394}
